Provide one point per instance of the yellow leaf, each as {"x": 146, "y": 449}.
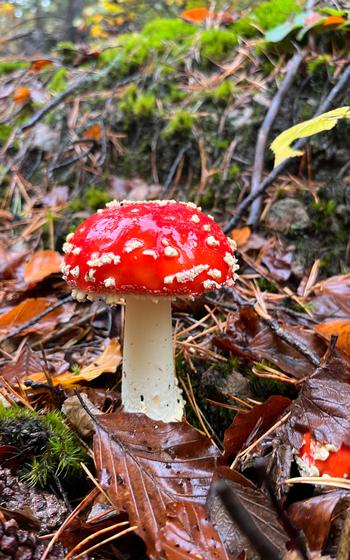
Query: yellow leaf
{"x": 281, "y": 146}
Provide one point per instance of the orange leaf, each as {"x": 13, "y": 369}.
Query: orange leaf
{"x": 334, "y": 20}
{"x": 241, "y": 235}
{"x": 21, "y": 94}
{"x": 342, "y": 329}
{"x": 40, "y": 64}
{"x": 107, "y": 362}
{"x": 41, "y": 265}
{"x": 201, "y": 15}
{"x": 94, "y": 132}
{"x": 27, "y": 310}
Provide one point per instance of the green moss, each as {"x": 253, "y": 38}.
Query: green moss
{"x": 161, "y": 30}
{"x": 137, "y": 104}
{"x": 51, "y": 448}
{"x": 179, "y": 125}
{"x": 176, "y": 94}
{"x": 233, "y": 172}
{"x": 216, "y": 44}
{"x": 93, "y": 198}
{"x": 222, "y": 94}
{"x": 318, "y": 62}
{"x": 59, "y": 81}
{"x": 7, "y": 66}
{"x": 274, "y": 12}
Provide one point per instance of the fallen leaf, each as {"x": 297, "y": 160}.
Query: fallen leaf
{"x": 256, "y": 503}
{"x": 330, "y": 299}
{"x": 201, "y": 15}
{"x": 28, "y": 310}
{"x": 94, "y": 132}
{"x": 40, "y": 64}
{"x": 247, "y": 336}
{"x": 241, "y": 235}
{"x": 334, "y": 20}
{"x": 340, "y": 328}
{"x": 281, "y": 146}
{"x": 107, "y": 362}
{"x": 146, "y": 466}
{"x": 21, "y": 95}
{"x": 58, "y": 196}
{"x": 256, "y": 420}
{"x": 188, "y": 534}
{"x": 27, "y": 364}
{"x": 41, "y": 265}
{"x": 315, "y": 515}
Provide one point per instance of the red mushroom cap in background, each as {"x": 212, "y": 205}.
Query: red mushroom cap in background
{"x": 324, "y": 458}
{"x": 162, "y": 248}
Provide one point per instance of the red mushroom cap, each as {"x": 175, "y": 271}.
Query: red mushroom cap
{"x": 335, "y": 463}
{"x": 163, "y": 248}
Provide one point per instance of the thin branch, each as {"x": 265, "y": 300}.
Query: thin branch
{"x": 293, "y": 67}
{"x": 342, "y": 82}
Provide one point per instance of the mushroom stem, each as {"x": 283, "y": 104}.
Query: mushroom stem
{"x": 149, "y": 382}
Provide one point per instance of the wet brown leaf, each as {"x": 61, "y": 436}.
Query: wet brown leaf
{"x": 41, "y": 265}
{"x": 314, "y": 516}
{"x": 256, "y": 503}
{"x": 257, "y": 420}
{"x": 188, "y": 534}
{"x": 147, "y": 466}
{"x": 28, "y": 363}
{"x": 249, "y": 337}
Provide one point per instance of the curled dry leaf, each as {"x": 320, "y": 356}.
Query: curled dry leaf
{"x": 241, "y": 235}
{"x": 315, "y": 515}
{"x": 28, "y": 310}
{"x": 146, "y": 467}
{"x": 41, "y": 265}
{"x": 107, "y": 362}
{"x": 331, "y": 298}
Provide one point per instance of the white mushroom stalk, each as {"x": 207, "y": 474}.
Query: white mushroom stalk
{"x": 149, "y": 382}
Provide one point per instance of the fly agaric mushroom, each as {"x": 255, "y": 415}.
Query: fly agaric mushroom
{"x": 317, "y": 459}
{"x": 148, "y": 253}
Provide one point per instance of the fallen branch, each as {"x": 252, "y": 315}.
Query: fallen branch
{"x": 293, "y": 67}
{"x": 343, "y": 80}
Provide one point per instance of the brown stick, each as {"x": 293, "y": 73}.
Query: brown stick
{"x": 343, "y": 80}
{"x": 293, "y": 67}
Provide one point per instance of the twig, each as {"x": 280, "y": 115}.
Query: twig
{"x": 86, "y": 81}
{"x": 173, "y": 168}
{"x": 299, "y": 144}
{"x": 241, "y": 517}
{"x": 35, "y": 319}
{"x": 293, "y": 67}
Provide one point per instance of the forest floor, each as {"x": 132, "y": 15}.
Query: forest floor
{"x": 179, "y": 111}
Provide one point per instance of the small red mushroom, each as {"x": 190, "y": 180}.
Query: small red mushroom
{"x": 148, "y": 253}
{"x": 317, "y": 459}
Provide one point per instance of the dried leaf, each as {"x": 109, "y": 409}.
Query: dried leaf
{"x": 94, "y": 132}
{"x": 28, "y": 310}
{"x": 107, "y": 362}
{"x": 188, "y": 534}
{"x": 281, "y": 146}
{"x": 241, "y": 235}
{"x": 40, "y": 64}
{"x": 331, "y": 298}
{"x": 334, "y": 20}
{"x": 146, "y": 466}
{"x": 21, "y": 95}
{"x": 315, "y": 515}
{"x": 201, "y": 15}
{"x": 341, "y": 329}
{"x": 257, "y": 420}
{"x": 41, "y": 265}
{"x": 256, "y": 503}
{"x": 27, "y": 364}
